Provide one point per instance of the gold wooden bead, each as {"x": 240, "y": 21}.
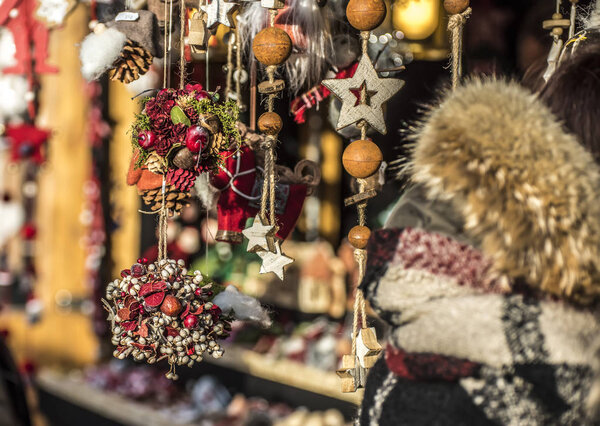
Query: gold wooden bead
{"x": 455, "y": 6}
{"x": 359, "y": 236}
{"x": 365, "y": 15}
{"x": 272, "y": 46}
{"x": 362, "y": 159}
{"x": 270, "y": 123}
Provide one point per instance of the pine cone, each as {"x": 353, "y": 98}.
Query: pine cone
{"x": 155, "y": 164}
{"x": 182, "y": 179}
{"x": 134, "y": 61}
{"x": 175, "y": 199}
{"x": 217, "y": 143}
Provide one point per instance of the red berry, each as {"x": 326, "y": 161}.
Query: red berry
{"x": 198, "y": 292}
{"x": 202, "y": 94}
{"x": 138, "y": 270}
{"x": 146, "y": 139}
{"x": 209, "y": 293}
{"x": 196, "y": 139}
{"x": 144, "y": 260}
{"x": 191, "y": 321}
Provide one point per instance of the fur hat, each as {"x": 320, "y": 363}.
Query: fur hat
{"x": 528, "y": 192}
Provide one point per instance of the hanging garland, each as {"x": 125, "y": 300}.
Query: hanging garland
{"x": 272, "y": 47}
{"x": 362, "y": 96}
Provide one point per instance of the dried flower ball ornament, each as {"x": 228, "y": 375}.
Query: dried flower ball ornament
{"x": 158, "y": 311}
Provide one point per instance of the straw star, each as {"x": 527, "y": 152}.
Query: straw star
{"x": 274, "y": 262}
{"x": 220, "y": 12}
{"x": 260, "y": 236}
{"x": 379, "y": 91}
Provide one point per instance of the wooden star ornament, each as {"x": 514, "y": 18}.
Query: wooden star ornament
{"x": 352, "y": 374}
{"x": 367, "y": 347}
{"x": 274, "y": 261}
{"x": 261, "y": 237}
{"x": 379, "y": 90}
{"x": 220, "y": 12}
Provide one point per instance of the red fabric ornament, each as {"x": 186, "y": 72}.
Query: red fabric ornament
{"x": 26, "y": 142}
{"x": 19, "y": 17}
{"x": 236, "y": 205}
{"x": 235, "y": 177}
{"x": 29, "y": 231}
{"x": 317, "y": 94}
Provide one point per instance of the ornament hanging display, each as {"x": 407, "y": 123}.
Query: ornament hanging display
{"x": 363, "y": 96}
{"x": 159, "y": 311}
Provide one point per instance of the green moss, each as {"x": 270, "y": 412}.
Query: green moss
{"x": 228, "y": 113}
{"x": 141, "y": 123}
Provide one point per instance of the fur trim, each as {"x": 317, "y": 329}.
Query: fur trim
{"x": 99, "y": 51}
{"x": 528, "y": 192}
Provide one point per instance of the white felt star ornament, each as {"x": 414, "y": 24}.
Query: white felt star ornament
{"x": 379, "y": 91}
{"x": 260, "y": 236}
{"x": 219, "y": 12}
{"x": 274, "y": 262}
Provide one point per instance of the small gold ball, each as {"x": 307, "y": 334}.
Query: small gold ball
{"x": 362, "y": 159}
{"x": 366, "y": 15}
{"x": 359, "y": 236}
{"x": 455, "y": 6}
{"x": 272, "y": 46}
{"x": 270, "y": 123}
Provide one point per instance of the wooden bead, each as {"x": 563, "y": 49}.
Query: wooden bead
{"x": 270, "y": 123}
{"x": 365, "y": 15}
{"x": 359, "y": 236}
{"x": 361, "y": 159}
{"x": 455, "y": 6}
{"x": 272, "y": 46}
{"x": 170, "y": 306}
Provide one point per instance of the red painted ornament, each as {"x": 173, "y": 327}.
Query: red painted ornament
{"x": 146, "y": 139}
{"x": 196, "y": 139}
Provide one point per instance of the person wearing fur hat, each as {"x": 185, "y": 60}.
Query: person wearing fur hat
{"x": 488, "y": 271}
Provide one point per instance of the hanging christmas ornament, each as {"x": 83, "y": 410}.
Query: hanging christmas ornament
{"x": 362, "y": 96}
{"x": 124, "y": 47}
{"x": 240, "y": 183}
{"x": 556, "y": 26}
{"x": 54, "y": 12}
{"x": 372, "y": 91}
{"x": 159, "y": 311}
{"x": 198, "y": 32}
{"x": 459, "y": 12}
{"x": 220, "y": 12}
{"x": 30, "y": 34}
{"x": 271, "y": 46}
{"x": 179, "y": 134}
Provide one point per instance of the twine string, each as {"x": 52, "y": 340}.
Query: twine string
{"x": 456, "y": 24}
{"x": 182, "y": 22}
{"x": 229, "y": 66}
{"x": 238, "y": 66}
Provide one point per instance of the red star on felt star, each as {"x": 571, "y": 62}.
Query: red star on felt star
{"x": 26, "y": 142}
